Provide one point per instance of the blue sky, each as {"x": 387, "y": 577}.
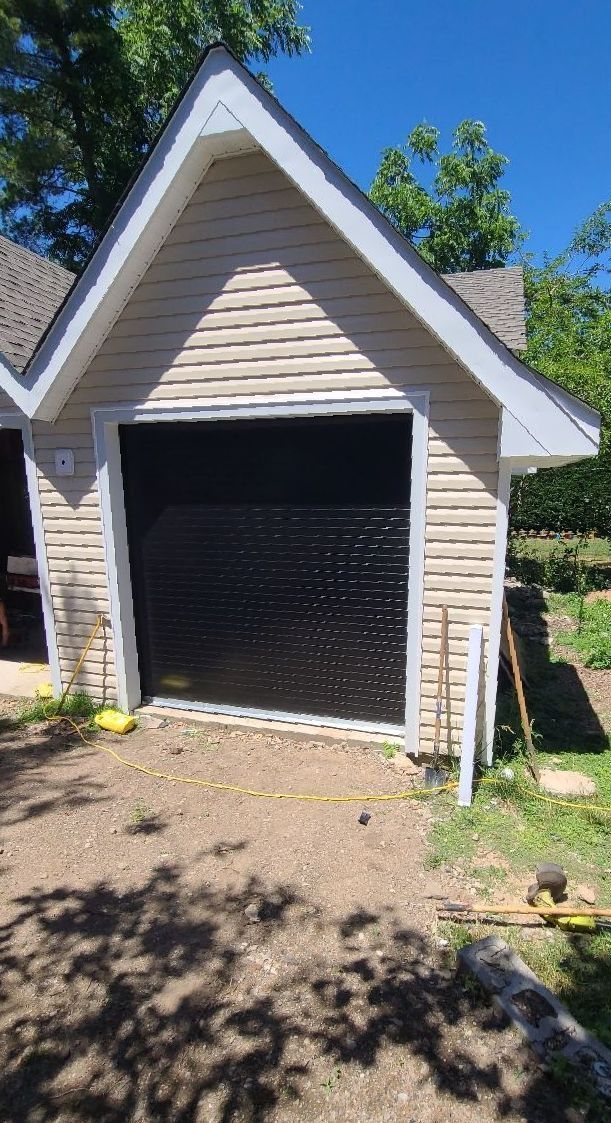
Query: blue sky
{"x": 537, "y": 72}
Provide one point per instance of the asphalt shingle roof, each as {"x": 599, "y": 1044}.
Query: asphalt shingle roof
{"x": 497, "y": 295}
{"x": 31, "y": 291}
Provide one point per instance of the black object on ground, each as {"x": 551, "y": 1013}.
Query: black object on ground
{"x": 364, "y": 818}
{"x": 553, "y": 878}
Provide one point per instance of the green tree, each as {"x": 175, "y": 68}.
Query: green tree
{"x": 84, "y": 88}
{"x": 569, "y": 340}
{"x": 461, "y": 221}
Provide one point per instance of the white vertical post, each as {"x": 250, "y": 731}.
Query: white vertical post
{"x": 496, "y": 613}
{"x": 472, "y": 705}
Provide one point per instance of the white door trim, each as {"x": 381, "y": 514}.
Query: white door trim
{"x": 106, "y": 423}
{"x": 13, "y": 420}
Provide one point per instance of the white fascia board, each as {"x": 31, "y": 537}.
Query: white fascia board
{"x": 13, "y": 384}
{"x": 201, "y": 130}
{"x": 224, "y": 95}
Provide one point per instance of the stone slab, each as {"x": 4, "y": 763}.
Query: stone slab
{"x": 562, "y": 783}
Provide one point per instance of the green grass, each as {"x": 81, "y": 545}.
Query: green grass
{"x": 591, "y": 635}
{"x": 592, "y": 549}
{"x": 525, "y": 831}
{"x": 390, "y": 750}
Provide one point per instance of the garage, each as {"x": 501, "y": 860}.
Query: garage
{"x": 269, "y": 563}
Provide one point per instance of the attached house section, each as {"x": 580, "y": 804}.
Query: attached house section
{"x": 253, "y": 294}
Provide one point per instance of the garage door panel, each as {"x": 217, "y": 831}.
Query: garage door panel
{"x": 269, "y": 566}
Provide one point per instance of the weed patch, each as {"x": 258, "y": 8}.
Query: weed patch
{"x": 76, "y": 705}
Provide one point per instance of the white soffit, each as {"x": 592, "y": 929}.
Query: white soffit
{"x": 223, "y": 111}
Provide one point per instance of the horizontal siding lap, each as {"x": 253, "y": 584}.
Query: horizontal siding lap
{"x": 254, "y": 294}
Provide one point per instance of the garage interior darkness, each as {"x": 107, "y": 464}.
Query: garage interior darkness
{"x": 269, "y": 563}
{"x": 19, "y": 588}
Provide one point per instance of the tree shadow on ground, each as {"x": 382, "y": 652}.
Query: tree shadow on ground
{"x": 25, "y": 790}
{"x": 558, "y": 704}
{"x": 161, "y": 1002}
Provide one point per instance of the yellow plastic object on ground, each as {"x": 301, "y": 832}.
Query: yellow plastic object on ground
{"x": 115, "y": 722}
{"x": 575, "y": 923}
{"x": 45, "y": 691}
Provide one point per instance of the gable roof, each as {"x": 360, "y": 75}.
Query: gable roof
{"x": 224, "y": 110}
{"x": 497, "y": 296}
{"x": 31, "y": 291}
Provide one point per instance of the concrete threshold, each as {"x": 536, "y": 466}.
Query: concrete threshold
{"x": 291, "y": 730}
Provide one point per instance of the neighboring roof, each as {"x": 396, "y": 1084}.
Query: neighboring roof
{"x": 224, "y": 110}
{"x": 31, "y": 291}
{"x": 497, "y": 295}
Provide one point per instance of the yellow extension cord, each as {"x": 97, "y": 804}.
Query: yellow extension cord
{"x": 304, "y": 797}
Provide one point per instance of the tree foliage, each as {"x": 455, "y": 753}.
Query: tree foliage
{"x": 84, "y": 88}
{"x": 461, "y": 221}
{"x": 569, "y": 339}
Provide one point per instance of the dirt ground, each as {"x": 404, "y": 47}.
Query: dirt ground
{"x": 135, "y": 986}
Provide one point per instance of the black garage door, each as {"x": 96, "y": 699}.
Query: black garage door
{"x": 269, "y": 562}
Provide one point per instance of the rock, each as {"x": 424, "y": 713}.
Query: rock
{"x": 560, "y": 782}
{"x": 175, "y": 750}
{"x": 586, "y": 894}
{"x": 403, "y": 1097}
{"x": 475, "y": 837}
{"x": 252, "y": 913}
{"x": 443, "y": 943}
{"x": 149, "y": 721}
{"x": 404, "y": 763}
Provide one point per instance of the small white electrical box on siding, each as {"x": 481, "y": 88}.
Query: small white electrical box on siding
{"x": 64, "y": 461}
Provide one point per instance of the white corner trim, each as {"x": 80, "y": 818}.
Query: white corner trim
{"x": 415, "y": 587}
{"x": 106, "y": 423}
{"x": 221, "y": 93}
{"x": 116, "y": 551}
{"x": 472, "y": 702}
{"x": 18, "y": 421}
{"x": 496, "y": 604}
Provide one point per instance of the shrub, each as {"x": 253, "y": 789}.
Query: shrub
{"x": 576, "y": 497}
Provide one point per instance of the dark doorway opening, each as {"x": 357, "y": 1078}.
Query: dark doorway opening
{"x": 19, "y": 584}
{"x": 269, "y": 563}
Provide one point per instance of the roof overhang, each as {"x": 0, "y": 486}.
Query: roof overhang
{"x": 224, "y": 110}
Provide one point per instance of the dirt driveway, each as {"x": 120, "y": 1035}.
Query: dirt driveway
{"x": 135, "y": 986}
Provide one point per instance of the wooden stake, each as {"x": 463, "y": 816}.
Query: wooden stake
{"x": 439, "y": 703}
{"x": 515, "y": 665}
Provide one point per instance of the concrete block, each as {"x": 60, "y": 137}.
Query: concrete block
{"x": 548, "y": 1026}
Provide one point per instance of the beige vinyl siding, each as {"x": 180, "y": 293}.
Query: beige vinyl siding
{"x": 253, "y": 293}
